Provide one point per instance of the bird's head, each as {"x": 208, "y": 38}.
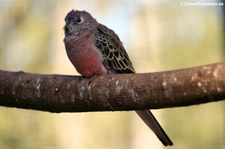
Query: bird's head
{"x": 78, "y": 22}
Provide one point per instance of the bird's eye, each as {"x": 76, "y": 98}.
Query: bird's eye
{"x": 78, "y": 19}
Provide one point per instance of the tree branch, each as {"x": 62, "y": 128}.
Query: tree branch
{"x": 60, "y": 93}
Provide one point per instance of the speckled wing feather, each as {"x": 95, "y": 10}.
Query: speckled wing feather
{"x": 115, "y": 58}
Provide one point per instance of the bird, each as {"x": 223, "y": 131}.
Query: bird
{"x": 95, "y": 50}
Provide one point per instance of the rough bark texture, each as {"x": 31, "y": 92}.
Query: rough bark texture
{"x": 60, "y": 93}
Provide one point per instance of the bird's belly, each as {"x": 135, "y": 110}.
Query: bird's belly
{"x": 89, "y": 66}
{"x": 85, "y": 57}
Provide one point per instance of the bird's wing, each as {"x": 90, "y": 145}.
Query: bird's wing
{"x": 115, "y": 58}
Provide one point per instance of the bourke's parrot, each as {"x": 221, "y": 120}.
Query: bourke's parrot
{"x": 94, "y": 49}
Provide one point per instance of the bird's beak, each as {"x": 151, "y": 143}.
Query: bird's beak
{"x": 68, "y": 28}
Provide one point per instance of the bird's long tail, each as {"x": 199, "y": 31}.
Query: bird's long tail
{"x": 153, "y": 124}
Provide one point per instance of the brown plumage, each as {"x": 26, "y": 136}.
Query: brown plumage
{"x": 95, "y": 49}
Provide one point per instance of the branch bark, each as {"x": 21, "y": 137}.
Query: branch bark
{"x": 60, "y": 93}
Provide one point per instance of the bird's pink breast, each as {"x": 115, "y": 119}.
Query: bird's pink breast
{"x": 89, "y": 66}
{"x": 85, "y": 57}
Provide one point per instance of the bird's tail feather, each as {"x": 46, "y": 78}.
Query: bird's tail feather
{"x": 153, "y": 124}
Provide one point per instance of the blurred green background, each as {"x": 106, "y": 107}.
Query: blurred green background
{"x": 158, "y": 35}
